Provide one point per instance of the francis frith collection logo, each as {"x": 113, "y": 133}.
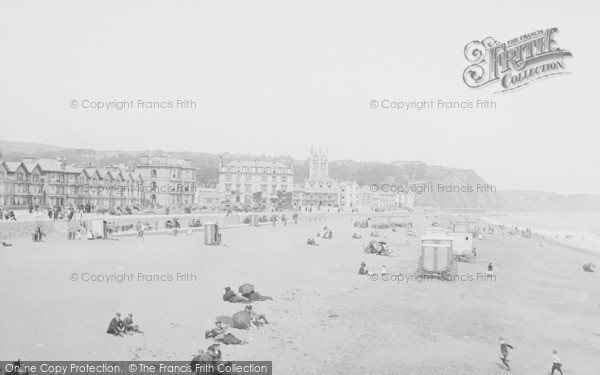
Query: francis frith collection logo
{"x": 515, "y": 63}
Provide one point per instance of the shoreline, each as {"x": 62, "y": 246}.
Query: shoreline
{"x": 589, "y": 242}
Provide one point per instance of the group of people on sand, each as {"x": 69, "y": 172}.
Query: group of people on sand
{"x": 327, "y": 233}
{"x": 364, "y": 271}
{"x": 120, "y": 327}
{"x": 233, "y": 297}
{"x": 219, "y": 334}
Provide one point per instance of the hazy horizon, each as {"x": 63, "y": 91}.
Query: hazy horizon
{"x": 272, "y": 78}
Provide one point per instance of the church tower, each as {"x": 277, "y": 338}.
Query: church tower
{"x": 318, "y": 163}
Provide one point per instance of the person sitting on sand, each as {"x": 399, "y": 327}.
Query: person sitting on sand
{"x": 129, "y": 326}
{"x": 212, "y": 354}
{"x": 220, "y": 334}
{"x": 383, "y": 271}
{"x": 490, "y": 269}
{"x": 356, "y": 236}
{"x": 255, "y": 296}
{"x": 196, "y": 362}
{"x": 589, "y": 267}
{"x": 116, "y": 326}
{"x": 362, "y": 270}
{"x": 232, "y": 297}
{"x": 257, "y": 319}
{"x": 311, "y": 241}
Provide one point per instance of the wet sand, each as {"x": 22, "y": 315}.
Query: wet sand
{"x": 325, "y": 318}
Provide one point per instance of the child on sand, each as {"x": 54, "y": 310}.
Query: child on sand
{"x": 129, "y": 326}
{"x": 490, "y": 269}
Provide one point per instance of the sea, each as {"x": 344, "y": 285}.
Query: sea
{"x": 573, "y": 228}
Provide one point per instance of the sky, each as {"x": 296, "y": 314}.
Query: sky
{"x": 274, "y": 77}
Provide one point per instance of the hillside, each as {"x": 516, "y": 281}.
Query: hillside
{"x": 27, "y": 147}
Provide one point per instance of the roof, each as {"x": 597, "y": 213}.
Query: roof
{"x": 255, "y": 163}
{"x": 30, "y": 166}
{"x": 12, "y": 166}
{"x": 321, "y": 179}
{"x": 53, "y": 165}
{"x": 166, "y": 160}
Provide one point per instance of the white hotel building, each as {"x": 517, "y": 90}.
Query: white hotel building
{"x": 239, "y": 180}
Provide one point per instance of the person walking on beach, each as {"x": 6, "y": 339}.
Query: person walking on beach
{"x": 140, "y": 230}
{"x": 504, "y": 350}
{"x": 556, "y": 363}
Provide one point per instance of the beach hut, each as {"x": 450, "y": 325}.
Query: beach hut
{"x": 212, "y": 235}
{"x": 462, "y": 246}
{"x": 100, "y": 228}
{"x": 436, "y": 231}
{"x": 437, "y": 258}
{"x": 465, "y": 226}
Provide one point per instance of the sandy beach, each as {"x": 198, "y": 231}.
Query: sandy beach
{"x": 325, "y": 318}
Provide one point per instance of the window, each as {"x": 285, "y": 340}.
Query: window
{"x": 248, "y": 177}
{"x": 274, "y": 178}
{"x": 228, "y": 177}
{"x": 283, "y": 179}
{"x": 248, "y": 188}
{"x": 263, "y": 188}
